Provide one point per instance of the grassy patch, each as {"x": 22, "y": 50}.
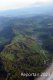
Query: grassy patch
{"x": 9, "y": 56}
{"x": 19, "y": 37}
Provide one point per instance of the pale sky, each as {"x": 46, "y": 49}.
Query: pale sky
{"x": 14, "y": 4}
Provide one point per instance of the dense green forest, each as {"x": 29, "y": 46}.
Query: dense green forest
{"x": 26, "y": 45}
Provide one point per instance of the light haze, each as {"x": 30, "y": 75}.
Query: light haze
{"x": 15, "y": 4}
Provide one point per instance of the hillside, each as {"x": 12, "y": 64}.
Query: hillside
{"x": 23, "y": 56}
{"x": 26, "y": 45}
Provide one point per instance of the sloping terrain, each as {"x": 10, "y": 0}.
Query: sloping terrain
{"x": 23, "y": 56}
{"x": 26, "y": 45}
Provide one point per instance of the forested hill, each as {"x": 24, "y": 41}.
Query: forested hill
{"x": 26, "y": 45}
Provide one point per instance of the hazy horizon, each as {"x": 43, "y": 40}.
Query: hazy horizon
{"x": 18, "y": 4}
{"x": 20, "y": 8}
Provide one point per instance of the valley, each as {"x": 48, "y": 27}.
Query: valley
{"x": 26, "y": 45}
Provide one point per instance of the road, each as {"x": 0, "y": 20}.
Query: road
{"x": 48, "y": 74}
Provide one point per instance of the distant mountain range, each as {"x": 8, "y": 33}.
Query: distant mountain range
{"x": 29, "y": 11}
